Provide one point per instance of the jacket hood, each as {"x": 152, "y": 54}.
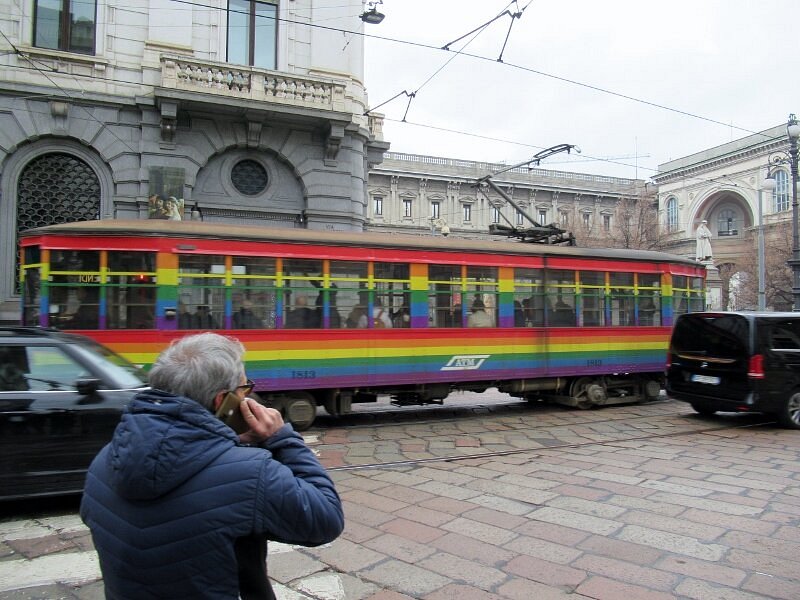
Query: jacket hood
{"x": 161, "y": 441}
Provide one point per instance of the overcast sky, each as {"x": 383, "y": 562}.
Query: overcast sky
{"x": 734, "y": 62}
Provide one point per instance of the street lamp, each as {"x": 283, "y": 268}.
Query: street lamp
{"x": 372, "y": 16}
{"x": 793, "y": 132}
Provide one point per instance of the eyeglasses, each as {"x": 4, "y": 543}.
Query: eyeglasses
{"x": 246, "y": 387}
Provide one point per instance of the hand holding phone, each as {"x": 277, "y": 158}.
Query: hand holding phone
{"x": 264, "y": 422}
{"x": 229, "y": 413}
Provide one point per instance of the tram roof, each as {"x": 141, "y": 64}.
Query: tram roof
{"x": 227, "y": 231}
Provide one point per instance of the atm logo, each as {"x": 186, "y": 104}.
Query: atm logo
{"x": 465, "y": 362}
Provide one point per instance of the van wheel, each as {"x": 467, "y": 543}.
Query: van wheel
{"x": 789, "y": 415}
{"x": 703, "y": 409}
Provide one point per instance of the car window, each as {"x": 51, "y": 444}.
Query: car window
{"x": 785, "y": 335}
{"x": 38, "y": 368}
{"x": 118, "y": 370}
{"x": 713, "y": 336}
{"x": 13, "y": 366}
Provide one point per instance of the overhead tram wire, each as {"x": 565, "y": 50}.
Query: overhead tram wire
{"x": 488, "y": 59}
{"x": 411, "y": 95}
{"x": 430, "y": 47}
{"x": 605, "y": 160}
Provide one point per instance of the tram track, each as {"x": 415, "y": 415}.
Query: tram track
{"x": 540, "y": 450}
{"x": 325, "y": 423}
{"x": 350, "y": 447}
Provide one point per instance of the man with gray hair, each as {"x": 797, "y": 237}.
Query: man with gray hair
{"x": 180, "y": 505}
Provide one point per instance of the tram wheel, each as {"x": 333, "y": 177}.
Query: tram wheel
{"x": 587, "y": 392}
{"x": 300, "y": 410}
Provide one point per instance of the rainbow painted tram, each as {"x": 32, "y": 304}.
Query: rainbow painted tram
{"x": 330, "y": 318}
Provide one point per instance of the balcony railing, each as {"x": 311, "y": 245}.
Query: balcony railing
{"x": 250, "y": 83}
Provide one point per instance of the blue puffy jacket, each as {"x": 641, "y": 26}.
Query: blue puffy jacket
{"x": 168, "y": 498}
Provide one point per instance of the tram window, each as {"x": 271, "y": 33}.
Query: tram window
{"x": 528, "y": 297}
{"x": 130, "y": 290}
{"x": 684, "y": 298}
{"x": 482, "y": 289}
{"x": 623, "y": 299}
{"x": 32, "y": 288}
{"x": 392, "y": 288}
{"x": 130, "y": 307}
{"x": 649, "y": 299}
{"x": 444, "y": 296}
{"x": 73, "y": 260}
{"x": 301, "y": 267}
{"x": 649, "y": 308}
{"x": 32, "y": 255}
{"x": 253, "y": 278}
{"x": 302, "y": 279}
{"x": 649, "y": 280}
{"x": 348, "y": 294}
{"x": 74, "y": 289}
{"x": 680, "y": 302}
{"x": 131, "y": 267}
{"x": 560, "y": 298}
{"x": 592, "y": 298}
{"x": 253, "y": 266}
{"x": 201, "y": 282}
{"x": 81, "y": 307}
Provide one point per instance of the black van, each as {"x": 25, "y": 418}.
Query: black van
{"x": 738, "y": 362}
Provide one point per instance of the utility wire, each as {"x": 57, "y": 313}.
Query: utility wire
{"x": 511, "y": 65}
{"x": 477, "y": 31}
{"x": 68, "y": 95}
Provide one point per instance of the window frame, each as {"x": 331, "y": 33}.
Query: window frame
{"x": 408, "y": 208}
{"x": 672, "y": 213}
{"x": 780, "y": 195}
{"x": 65, "y": 28}
{"x": 251, "y": 33}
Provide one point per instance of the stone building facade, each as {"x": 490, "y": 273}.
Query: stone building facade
{"x": 233, "y": 110}
{"x": 421, "y": 194}
{"x": 722, "y": 185}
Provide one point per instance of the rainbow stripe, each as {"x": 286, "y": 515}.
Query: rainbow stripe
{"x": 280, "y": 360}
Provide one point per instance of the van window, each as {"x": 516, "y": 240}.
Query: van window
{"x": 723, "y": 336}
{"x": 785, "y": 336}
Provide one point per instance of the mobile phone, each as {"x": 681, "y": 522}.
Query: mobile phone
{"x": 229, "y": 413}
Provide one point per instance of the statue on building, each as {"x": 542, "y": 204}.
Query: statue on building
{"x": 703, "y": 251}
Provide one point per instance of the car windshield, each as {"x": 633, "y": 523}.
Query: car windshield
{"x": 125, "y": 374}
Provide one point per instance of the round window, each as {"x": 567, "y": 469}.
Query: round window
{"x": 249, "y": 177}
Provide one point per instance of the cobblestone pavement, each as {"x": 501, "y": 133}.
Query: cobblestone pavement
{"x": 512, "y": 502}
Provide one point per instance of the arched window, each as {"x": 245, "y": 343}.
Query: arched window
{"x": 727, "y": 223}
{"x": 672, "y": 213}
{"x": 781, "y": 193}
{"x": 57, "y": 188}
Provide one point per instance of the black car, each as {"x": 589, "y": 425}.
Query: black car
{"x": 61, "y": 396}
{"x": 737, "y": 361}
